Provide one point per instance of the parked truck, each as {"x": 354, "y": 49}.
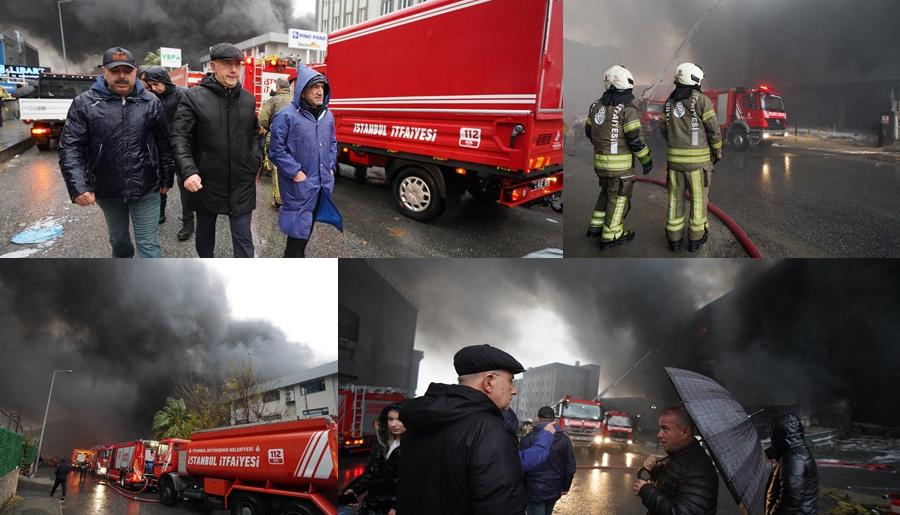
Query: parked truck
{"x": 750, "y": 116}
{"x": 450, "y": 96}
{"x": 358, "y": 409}
{"x": 131, "y": 464}
{"x": 47, "y": 110}
{"x": 80, "y": 459}
{"x": 282, "y": 468}
{"x": 582, "y": 421}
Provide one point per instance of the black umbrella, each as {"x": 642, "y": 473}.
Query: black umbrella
{"x": 727, "y": 432}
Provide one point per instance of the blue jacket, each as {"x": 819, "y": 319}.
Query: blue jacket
{"x": 302, "y": 142}
{"x": 115, "y": 148}
{"x": 553, "y": 477}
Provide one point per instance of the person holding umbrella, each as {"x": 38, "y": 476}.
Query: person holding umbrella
{"x": 685, "y": 481}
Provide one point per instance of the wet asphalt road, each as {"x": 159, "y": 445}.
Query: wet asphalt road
{"x": 791, "y": 202}
{"x": 90, "y": 495}
{"x": 32, "y": 192}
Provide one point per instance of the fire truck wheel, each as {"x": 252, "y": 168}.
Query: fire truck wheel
{"x": 293, "y": 507}
{"x": 167, "y": 493}
{"x": 738, "y": 139}
{"x": 417, "y": 194}
{"x": 247, "y": 504}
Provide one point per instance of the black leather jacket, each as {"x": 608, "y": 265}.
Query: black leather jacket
{"x": 685, "y": 484}
{"x": 794, "y": 482}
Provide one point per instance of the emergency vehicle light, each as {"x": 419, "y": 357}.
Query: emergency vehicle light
{"x": 38, "y": 130}
{"x": 461, "y": 171}
{"x": 249, "y": 60}
{"x": 764, "y": 87}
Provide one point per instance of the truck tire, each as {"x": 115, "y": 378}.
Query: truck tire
{"x": 294, "y": 507}
{"x": 418, "y": 195}
{"x": 248, "y": 504}
{"x": 168, "y": 495}
{"x": 556, "y": 202}
{"x": 738, "y": 139}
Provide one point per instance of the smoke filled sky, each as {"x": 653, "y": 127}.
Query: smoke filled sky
{"x": 742, "y": 42}
{"x": 131, "y": 331}
{"x": 543, "y": 311}
{"x": 92, "y": 26}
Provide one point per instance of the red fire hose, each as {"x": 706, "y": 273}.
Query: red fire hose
{"x": 132, "y": 497}
{"x": 729, "y": 222}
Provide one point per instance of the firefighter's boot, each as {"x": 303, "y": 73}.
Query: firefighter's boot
{"x": 626, "y": 236}
{"x": 695, "y": 245}
{"x": 674, "y": 246}
{"x": 594, "y": 231}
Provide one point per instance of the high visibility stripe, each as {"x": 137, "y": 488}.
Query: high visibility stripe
{"x": 697, "y": 197}
{"x": 632, "y": 125}
{"x": 614, "y": 227}
{"x": 613, "y": 162}
{"x": 717, "y": 145}
{"x": 709, "y": 114}
{"x": 688, "y": 160}
{"x": 674, "y": 228}
{"x": 687, "y": 151}
{"x": 597, "y": 218}
{"x": 673, "y": 188}
{"x": 642, "y": 152}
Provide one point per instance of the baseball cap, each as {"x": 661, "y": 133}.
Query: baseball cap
{"x": 118, "y": 56}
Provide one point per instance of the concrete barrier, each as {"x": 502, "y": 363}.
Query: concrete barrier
{"x": 8, "y": 485}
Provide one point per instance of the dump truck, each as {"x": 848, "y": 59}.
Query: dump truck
{"x": 282, "y": 468}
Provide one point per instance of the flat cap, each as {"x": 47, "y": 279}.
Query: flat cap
{"x": 546, "y": 412}
{"x": 482, "y": 358}
{"x": 225, "y": 51}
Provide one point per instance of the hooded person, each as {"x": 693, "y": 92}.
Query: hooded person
{"x": 160, "y": 83}
{"x": 794, "y": 482}
{"x": 459, "y": 456}
{"x": 303, "y": 147}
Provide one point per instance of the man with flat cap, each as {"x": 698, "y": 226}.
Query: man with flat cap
{"x": 459, "y": 457}
{"x": 218, "y": 151}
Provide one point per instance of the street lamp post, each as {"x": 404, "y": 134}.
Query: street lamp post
{"x": 44, "y": 425}
{"x": 62, "y": 35}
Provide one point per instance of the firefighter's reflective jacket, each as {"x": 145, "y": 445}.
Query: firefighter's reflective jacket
{"x": 692, "y": 134}
{"x": 615, "y": 131}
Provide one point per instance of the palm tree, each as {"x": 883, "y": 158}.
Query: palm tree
{"x": 173, "y": 420}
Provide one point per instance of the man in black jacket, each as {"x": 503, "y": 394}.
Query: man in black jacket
{"x": 794, "y": 483}
{"x": 551, "y": 480}
{"x": 216, "y": 145}
{"x": 685, "y": 482}
{"x": 114, "y": 149}
{"x": 62, "y": 474}
{"x": 160, "y": 83}
{"x": 459, "y": 457}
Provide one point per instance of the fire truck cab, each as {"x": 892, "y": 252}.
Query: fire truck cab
{"x": 131, "y": 464}
{"x": 749, "y": 115}
{"x": 582, "y": 421}
{"x": 618, "y": 429}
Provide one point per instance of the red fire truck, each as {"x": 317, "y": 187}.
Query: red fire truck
{"x": 282, "y": 468}
{"x": 651, "y": 116}
{"x": 358, "y": 409}
{"x": 80, "y": 459}
{"x": 258, "y": 75}
{"x": 100, "y": 455}
{"x": 453, "y": 95}
{"x": 582, "y": 421}
{"x": 750, "y": 115}
{"x": 131, "y": 464}
{"x": 618, "y": 429}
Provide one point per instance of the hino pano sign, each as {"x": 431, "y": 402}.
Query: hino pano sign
{"x": 307, "y": 40}
{"x": 22, "y": 72}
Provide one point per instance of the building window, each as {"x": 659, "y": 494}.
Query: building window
{"x": 348, "y": 324}
{"x": 348, "y": 19}
{"x": 314, "y": 386}
{"x": 387, "y": 6}
{"x": 405, "y": 3}
{"x": 337, "y": 22}
{"x": 361, "y": 14}
{"x": 272, "y": 396}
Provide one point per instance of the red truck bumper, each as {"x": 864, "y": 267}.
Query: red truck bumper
{"x": 515, "y": 193}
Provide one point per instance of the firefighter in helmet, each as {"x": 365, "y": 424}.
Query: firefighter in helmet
{"x": 614, "y": 127}
{"x": 694, "y": 145}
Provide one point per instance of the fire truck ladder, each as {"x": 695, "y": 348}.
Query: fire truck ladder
{"x": 359, "y": 409}
{"x": 258, "y": 82}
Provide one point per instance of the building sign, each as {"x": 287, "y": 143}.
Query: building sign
{"x": 307, "y": 40}
{"x": 169, "y": 57}
{"x": 22, "y": 72}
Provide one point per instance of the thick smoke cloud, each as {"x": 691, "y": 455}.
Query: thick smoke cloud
{"x": 774, "y": 333}
{"x": 130, "y": 333}
{"x": 92, "y": 26}
{"x": 806, "y": 48}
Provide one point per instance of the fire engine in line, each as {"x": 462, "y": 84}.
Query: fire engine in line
{"x": 749, "y": 115}
{"x": 80, "y": 459}
{"x": 618, "y": 429}
{"x": 451, "y": 96}
{"x": 131, "y": 464}
{"x": 100, "y": 455}
{"x": 358, "y": 409}
{"x": 582, "y": 421}
{"x": 282, "y": 468}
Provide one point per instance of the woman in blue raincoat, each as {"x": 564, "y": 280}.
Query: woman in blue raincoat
{"x": 304, "y": 149}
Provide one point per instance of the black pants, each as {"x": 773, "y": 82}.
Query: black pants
{"x": 57, "y": 483}
{"x": 241, "y": 239}
{"x": 187, "y": 214}
{"x": 295, "y": 247}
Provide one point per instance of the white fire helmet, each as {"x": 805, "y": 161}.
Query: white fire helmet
{"x": 618, "y": 77}
{"x": 688, "y": 74}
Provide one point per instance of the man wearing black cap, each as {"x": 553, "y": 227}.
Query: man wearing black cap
{"x": 459, "y": 456}
{"x": 114, "y": 149}
{"x": 218, "y": 152}
{"x": 546, "y": 483}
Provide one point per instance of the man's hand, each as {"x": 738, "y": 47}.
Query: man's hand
{"x": 85, "y": 199}
{"x": 651, "y": 462}
{"x": 163, "y": 190}
{"x": 638, "y": 484}
{"x": 193, "y": 183}
{"x": 300, "y": 177}
{"x": 550, "y": 428}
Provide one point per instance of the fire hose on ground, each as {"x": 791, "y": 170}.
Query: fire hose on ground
{"x": 729, "y": 222}
{"x": 129, "y": 496}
